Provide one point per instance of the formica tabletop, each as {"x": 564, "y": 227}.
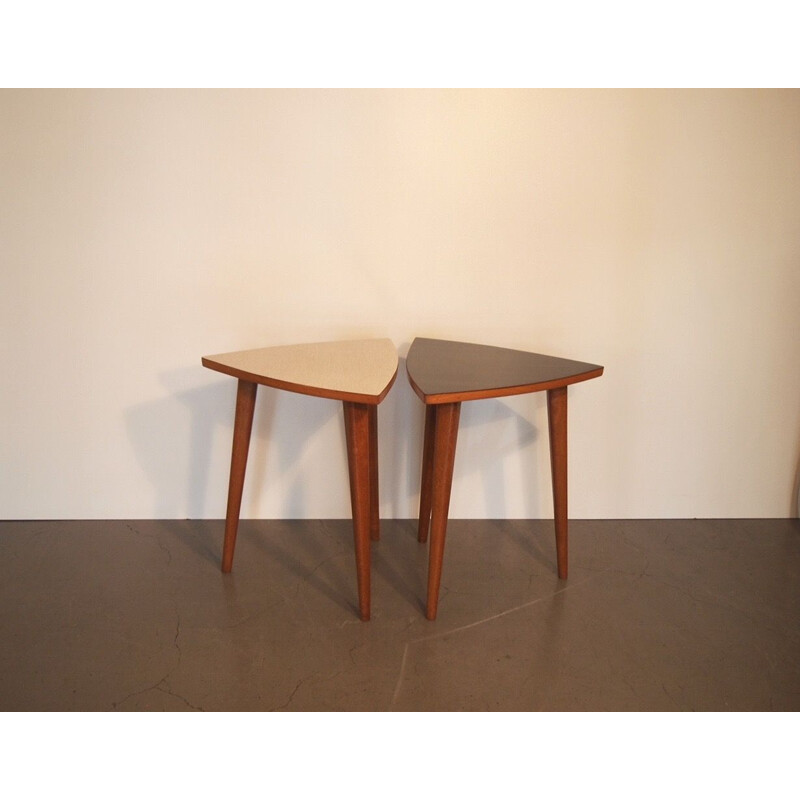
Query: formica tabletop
{"x": 442, "y": 371}
{"x": 360, "y": 371}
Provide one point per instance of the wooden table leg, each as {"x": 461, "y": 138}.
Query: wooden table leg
{"x": 357, "y": 432}
{"x": 374, "y": 493}
{"x": 444, "y": 454}
{"x": 426, "y": 484}
{"x": 242, "y": 426}
{"x": 557, "y": 419}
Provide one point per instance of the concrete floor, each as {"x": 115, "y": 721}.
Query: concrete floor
{"x": 656, "y": 615}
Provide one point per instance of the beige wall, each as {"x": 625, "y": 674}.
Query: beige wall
{"x": 655, "y": 232}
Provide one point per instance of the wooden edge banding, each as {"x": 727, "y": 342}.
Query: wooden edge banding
{"x": 314, "y": 391}
{"x": 507, "y": 391}
{"x": 389, "y": 385}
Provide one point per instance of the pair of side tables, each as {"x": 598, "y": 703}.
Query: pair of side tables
{"x": 360, "y": 374}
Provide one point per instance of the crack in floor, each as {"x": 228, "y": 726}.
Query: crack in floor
{"x": 159, "y": 685}
{"x": 291, "y": 696}
{"x": 168, "y": 690}
{"x": 444, "y": 634}
{"x": 154, "y": 538}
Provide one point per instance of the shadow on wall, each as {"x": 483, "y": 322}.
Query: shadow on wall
{"x": 158, "y": 431}
{"x": 796, "y": 495}
{"x": 400, "y": 426}
{"x": 183, "y": 440}
{"x": 193, "y": 481}
{"x": 490, "y": 431}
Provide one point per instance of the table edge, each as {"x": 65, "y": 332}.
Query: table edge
{"x": 299, "y": 388}
{"x": 506, "y": 391}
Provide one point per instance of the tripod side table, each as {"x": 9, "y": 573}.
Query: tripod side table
{"x": 359, "y": 374}
{"x": 443, "y": 374}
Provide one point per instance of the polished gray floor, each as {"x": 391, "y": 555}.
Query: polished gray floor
{"x": 656, "y": 615}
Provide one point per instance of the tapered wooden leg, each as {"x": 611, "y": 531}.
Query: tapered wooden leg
{"x": 557, "y": 419}
{"x": 374, "y": 493}
{"x": 444, "y": 453}
{"x": 357, "y": 432}
{"x": 426, "y": 484}
{"x": 242, "y": 426}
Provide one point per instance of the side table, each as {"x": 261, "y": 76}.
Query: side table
{"x": 444, "y": 374}
{"x": 360, "y": 374}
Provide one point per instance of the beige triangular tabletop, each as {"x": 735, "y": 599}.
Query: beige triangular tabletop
{"x": 360, "y": 371}
{"x": 441, "y": 371}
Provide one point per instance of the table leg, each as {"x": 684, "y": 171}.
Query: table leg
{"x": 242, "y": 426}
{"x": 444, "y": 453}
{"x": 374, "y": 493}
{"x": 426, "y": 484}
{"x": 557, "y": 419}
{"x": 357, "y": 432}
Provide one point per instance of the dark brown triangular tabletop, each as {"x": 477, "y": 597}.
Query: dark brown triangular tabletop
{"x": 441, "y": 371}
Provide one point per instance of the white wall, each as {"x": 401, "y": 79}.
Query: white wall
{"x": 654, "y": 232}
